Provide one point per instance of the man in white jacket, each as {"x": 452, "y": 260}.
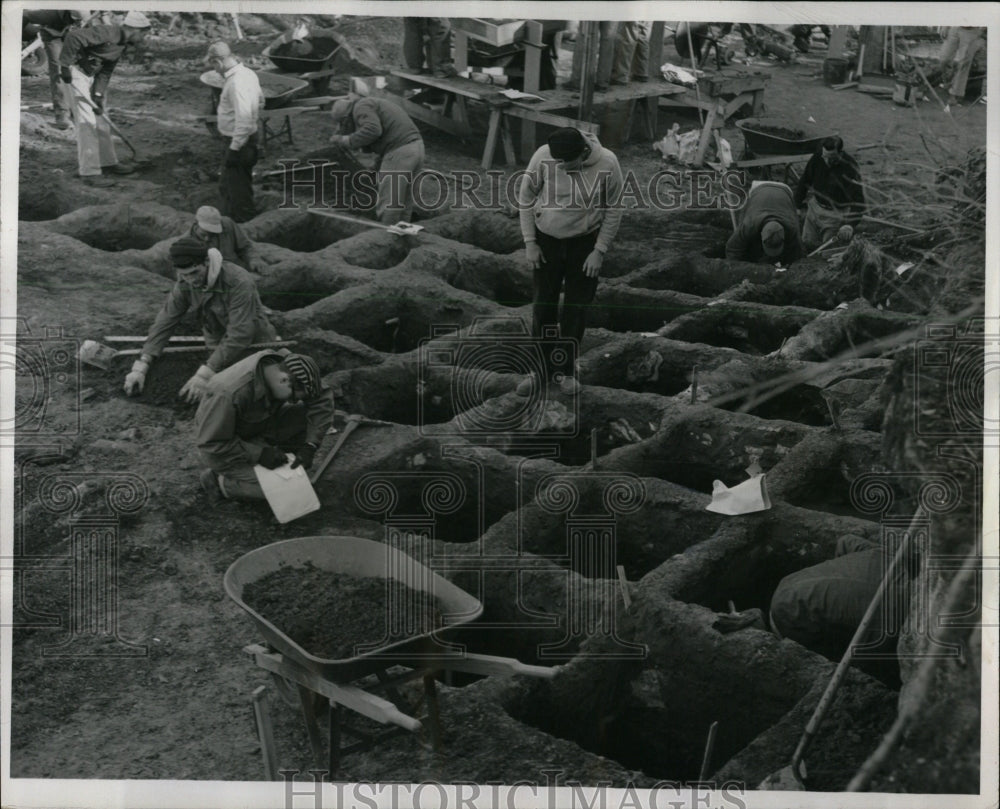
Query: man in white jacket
{"x": 569, "y": 209}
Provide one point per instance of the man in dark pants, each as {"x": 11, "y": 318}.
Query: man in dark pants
{"x": 52, "y": 25}
{"x": 569, "y": 214}
{"x": 238, "y": 115}
{"x": 436, "y": 54}
{"x": 838, "y": 196}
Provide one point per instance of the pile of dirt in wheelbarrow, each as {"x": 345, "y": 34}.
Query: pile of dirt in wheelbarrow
{"x": 336, "y": 616}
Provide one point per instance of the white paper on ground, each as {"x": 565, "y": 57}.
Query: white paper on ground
{"x": 288, "y": 491}
{"x": 749, "y": 496}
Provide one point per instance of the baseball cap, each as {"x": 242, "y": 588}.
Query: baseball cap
{"x": 209, "y": 219}
{"x": 772, "y": 237}
{"x": 136, "y": 19}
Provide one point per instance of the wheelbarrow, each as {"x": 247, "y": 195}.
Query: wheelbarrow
{"x": 315, "y": 66}
{"x": 354, "y": 557}
{"x": 779, "y": 136}
{"x": 278, "y": 90}
{"x": 297, "y": 672}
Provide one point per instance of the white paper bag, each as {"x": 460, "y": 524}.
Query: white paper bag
{"x": 749, "y": 496}
{"x": 288, "y": 491}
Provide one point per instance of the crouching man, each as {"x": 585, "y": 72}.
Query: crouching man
{"x": 256, "y": 411}
{"x": 225, "y": 299}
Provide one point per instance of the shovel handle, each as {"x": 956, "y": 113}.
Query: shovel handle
{"x": 838, "y": 676}
{"x": 352, "y": 424}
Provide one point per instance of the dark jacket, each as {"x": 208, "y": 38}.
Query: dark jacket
{"x": 232, "y": 242}
{"x": 766, "y": 203}
{"x": 837, "y": 186}
{"x": 53, "y": 24}
{"x": 94, "y": 50}
{"x": 231, "y": 315}
{"x": 237, "y": 412}
{"x": 379, "y": 125}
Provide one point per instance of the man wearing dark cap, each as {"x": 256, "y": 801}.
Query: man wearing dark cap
{"x": 569, "y": 212}
{"x": 254, "y": 412}
{"x": 768, "y": 229}
{"x": 222, "y": 233}
{"x": 86, "y": 62}
{"x": 223, "y": 296}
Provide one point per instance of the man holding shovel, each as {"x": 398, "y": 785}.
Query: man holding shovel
{"x": 88, "y": 58}
{"x": 838, "y": 196}
{"x": 379, "y": 125}
{"x": 256, "y": 411}
{"x": 225, "y": 299}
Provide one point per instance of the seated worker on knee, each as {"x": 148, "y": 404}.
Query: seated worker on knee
{"x": 821, "y": 606}
{"x": 768, "y": 229}
{"x": 222, "y": 233}
{"x": 225, "y": 299}
{"x": 255, "y": 411}
{"x": 832, "y": 193}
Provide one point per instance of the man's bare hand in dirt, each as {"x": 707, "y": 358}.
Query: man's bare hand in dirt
{"x": 592, "y": 266}
{"x": 534, "y": 255}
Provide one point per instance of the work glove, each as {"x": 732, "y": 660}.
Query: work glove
{"x": 272, "y": 458}
{"x": 98, "y": 99}
{"x": 66, "y": 75}
{"x": 304, "y": 456}
{"x": 196, "y": 386}
{"x": 232, "y": 158}
{"x": 845, "y": 234}
{"x": 136, "y": 377}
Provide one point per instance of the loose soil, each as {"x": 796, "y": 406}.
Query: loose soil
{"x": 331, "y": 614}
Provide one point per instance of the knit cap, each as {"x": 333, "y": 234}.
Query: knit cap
{"x": 306, "y": 373}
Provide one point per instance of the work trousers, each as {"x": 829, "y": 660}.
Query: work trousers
{"x": 820, "y": 224}
{"x": 286, "y": 431}
{"x": 631, "y": 53}
{"x": 437, "y": 52}
{"x": 236, "y": 181}
{"x": 53, "y": 48}
{"x": 562, "y": 271}
{"x": 395, "y": 182}
{"x": 94, "y": 147}
{"x": 961, "y": 45}
{"x": 605, "y": 57}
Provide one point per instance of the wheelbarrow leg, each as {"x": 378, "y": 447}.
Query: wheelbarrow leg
{"x": 334, "y": 759}
{"x": 307, "y": 698}
{"x": 433, "y": 713}
{"x": 265, "y": 733}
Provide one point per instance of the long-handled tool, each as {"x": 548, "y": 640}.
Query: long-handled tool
{"x": 790, "y": 777}
{"x": 352, "y": 424}
{"x": 139, "y": 161}
{"x": 400, "y": 228}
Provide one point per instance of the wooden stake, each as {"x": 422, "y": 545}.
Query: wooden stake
{"x": 623, "y": 583}
{"x": 694, "y": 384}
{"x": 265, "y": 733}
{"x": 706, "y": 760}
{"x": 593, "y": 448}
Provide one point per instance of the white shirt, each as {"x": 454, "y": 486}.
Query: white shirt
{"x": 240, "y": 104}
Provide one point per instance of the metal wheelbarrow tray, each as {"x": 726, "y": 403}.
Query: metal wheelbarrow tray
{"x": 278, "y": 89}
{"x": 324, "y": 50}
{"x": 779, "y": 136}
{"x": 355, "y": 557}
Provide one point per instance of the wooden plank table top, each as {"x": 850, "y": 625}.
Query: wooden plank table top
{"x": 560, "y": 98}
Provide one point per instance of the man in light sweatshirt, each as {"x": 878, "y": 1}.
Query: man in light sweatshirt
{"x": 568, "y": 201}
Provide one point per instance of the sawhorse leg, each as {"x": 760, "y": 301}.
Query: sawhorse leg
{"x": 499, "y": 129}
{"x": 308, "y": 701}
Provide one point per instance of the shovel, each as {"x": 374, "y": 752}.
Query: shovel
{"x": 791, "y": 777}
{"x": 139, "y": 161}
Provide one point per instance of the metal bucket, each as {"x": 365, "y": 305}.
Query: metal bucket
{"x": 834, "y": 70}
